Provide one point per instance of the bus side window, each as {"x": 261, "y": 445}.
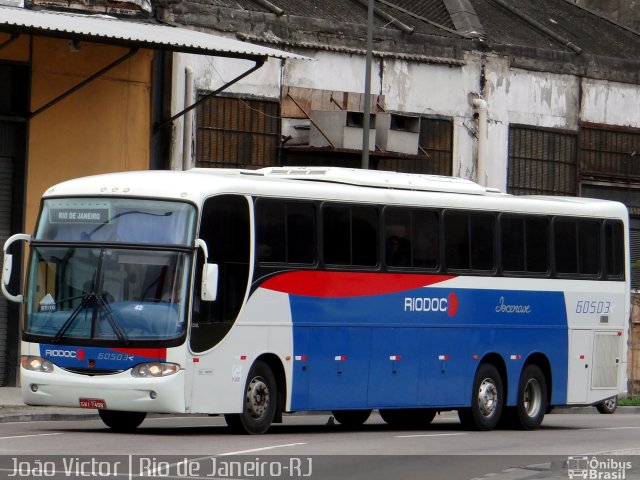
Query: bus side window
{"x": 350, "y": 235}
{"x": 577, "y": 246}
{"x": 285, "y": 231}
{"x": 456, "y": 234}
{"x": 397, "y": 226}
{"x": 614, "y": 249}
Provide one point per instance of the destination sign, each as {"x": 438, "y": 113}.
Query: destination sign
{"x": 79, "y": 215}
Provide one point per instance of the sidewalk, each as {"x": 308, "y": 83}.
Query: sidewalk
{"x": 13, "y": 409}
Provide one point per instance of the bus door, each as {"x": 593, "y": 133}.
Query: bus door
{"x": 225, "y": 230}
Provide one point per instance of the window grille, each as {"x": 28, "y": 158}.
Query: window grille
{"x": 235, "y": 132}
{"x": 542, "y": 162}
{"x": 610, "y": 152}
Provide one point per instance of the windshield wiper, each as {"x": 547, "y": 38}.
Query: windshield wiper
{"x": 96, "y": 300}
{"x": 86, "y": 300}
{"x": 112, "y": 321}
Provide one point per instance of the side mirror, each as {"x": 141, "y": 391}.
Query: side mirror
{"x": 209, "y": 287}
{"x": 7, "y": 266}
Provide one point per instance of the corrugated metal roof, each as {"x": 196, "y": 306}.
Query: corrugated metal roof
{"x": 103, "y": 29}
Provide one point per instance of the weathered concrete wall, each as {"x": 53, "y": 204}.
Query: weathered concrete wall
{"x": 513, "y": 95}
{"x": 610, "y": 103}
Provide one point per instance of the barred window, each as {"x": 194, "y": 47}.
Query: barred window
{"x": 542, "y": 162}
{"x": 234, "y": 132}
{"x": 610, "y": 152}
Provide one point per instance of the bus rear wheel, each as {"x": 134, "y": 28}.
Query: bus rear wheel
{"x": 408, "y": 417}
{"x": 487, "y": 400}
{"x": 351, "y": 418}
{"x": 122, "y": 421}
{"x": 259, "y": 403}
{"x": 532, "y": 399}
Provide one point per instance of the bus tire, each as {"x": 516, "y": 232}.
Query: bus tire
{"x": 532, "y": 399}
{"x": 259, "y": 403}
{"x": 351, "y": 418}
{"x": 408, "y": 417}
{"x": 122, "y": 421}
{"x": 487, "y": 400}
{"x": 608, "y": 406}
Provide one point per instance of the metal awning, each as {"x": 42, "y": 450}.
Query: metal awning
{"x": 129, "y": 33}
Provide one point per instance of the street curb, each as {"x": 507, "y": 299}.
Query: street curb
{"x": 46, "y": 417}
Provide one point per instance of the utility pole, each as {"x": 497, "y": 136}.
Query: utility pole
{"x": 366, "y": 121}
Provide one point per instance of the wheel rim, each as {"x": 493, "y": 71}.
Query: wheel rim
{"x": 610, "y": 403}
{"x": 487, "y": 397}
{"x": 258, "y": 398}
{"x": 532, "y": 397}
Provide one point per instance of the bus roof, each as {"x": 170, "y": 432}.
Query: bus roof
{"x": 327, "y": 183}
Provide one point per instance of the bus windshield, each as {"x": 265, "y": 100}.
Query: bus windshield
{"x": 110, "y": 269}
{"x": 97, "y": 293}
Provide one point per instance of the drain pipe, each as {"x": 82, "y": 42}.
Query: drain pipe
{"x": 481, "y": 107}
{"x": 187, "y": 121}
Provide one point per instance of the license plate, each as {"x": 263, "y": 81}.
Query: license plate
{"x": 92, "y": 403}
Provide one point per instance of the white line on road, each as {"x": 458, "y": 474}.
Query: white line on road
{"x": 612, "y": 428}
{"x": 242, "y": 452}
{"x": 25, "y": 436}
{"x": 431, "y": 435}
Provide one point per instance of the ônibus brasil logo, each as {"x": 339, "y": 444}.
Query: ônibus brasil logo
{"x": 447, "y": 304}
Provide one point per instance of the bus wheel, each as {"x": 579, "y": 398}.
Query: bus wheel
{"x": 408, "y": 417}
{"x": 532, "y": 398}
{"x": 260, "y": 402}
{"x": 351, "y": 418}
{"x": 486, "y": 400}
{"x": 122, "y": 421}
{"x": 608, "y": 406}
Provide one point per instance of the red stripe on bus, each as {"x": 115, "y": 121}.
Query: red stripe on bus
{"x": 348, "y": 284}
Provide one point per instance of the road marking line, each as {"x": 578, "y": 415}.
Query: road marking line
{"x": 611, "y": 428}
{"x": 241, "y": 452}
{"x": 34, "y": 435}
{"x": 430, "y": 435}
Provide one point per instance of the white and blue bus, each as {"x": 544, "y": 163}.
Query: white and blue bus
{"x": 255, "y": 293}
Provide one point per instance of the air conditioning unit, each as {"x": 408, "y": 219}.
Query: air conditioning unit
{"x": 343, "y": 128}
{"x": 397, "y": 133}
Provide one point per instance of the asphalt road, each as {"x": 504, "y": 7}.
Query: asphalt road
{"x": 309, "y": 446}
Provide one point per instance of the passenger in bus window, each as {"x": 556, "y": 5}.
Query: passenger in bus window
{"x": 397, "y": 252}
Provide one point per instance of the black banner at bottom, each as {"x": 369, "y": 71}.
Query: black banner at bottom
{"x": 321, "y": 467}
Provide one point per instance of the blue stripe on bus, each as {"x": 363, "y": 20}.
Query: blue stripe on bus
{"x": 417, "y": 348}
{"x": 100, "y": 358}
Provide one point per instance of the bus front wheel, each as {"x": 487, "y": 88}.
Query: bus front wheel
{"x": 486, "y": 400}
{"x": 259, "y": 403}
{"x": 122, "y": 421}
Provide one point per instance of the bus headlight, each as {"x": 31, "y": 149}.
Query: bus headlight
{"x": 154, "y": 369}
{"x": 36, "y": 364}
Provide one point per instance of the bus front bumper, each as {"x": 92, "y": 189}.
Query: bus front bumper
{"x": 116, "y": 392}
